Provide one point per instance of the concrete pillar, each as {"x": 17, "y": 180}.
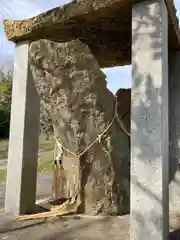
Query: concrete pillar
{"x": 23, "y": 142}
{"x": 174, "y": 133}
{"x": 149, "y": 122}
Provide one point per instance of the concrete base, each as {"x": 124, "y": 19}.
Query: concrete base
{"x": 66, "y": 228}
{"x": 70, "y": 227}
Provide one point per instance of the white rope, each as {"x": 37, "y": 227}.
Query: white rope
{"x": 74, "y": 202}
{"x": 98, "y": 139}
{"x": 62, "y": 148}
{"x": 60, "y": 153}
{"x": 86, "y": 149}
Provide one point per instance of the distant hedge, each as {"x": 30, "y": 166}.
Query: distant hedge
{"x": 4, "y": 123}
{"x": 5, "y": 102}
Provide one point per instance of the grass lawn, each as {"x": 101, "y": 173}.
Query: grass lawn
{"x": 3, "y": 149}
{"x": 2, "y": 175}
{"x": 45, "y": 157}
{"x": 45, "y": 162}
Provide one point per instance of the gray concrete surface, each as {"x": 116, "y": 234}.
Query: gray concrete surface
{"x": 149, "y": 122}
{"x": 174, "y": 124}
{"x": 68, "y": 228}
{"x": 65, "y": 228}
{"x": 24, "y": 135}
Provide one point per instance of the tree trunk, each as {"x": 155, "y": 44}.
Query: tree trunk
{"x": 69, "y": 80}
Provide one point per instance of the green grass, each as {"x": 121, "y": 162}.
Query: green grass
{"x": 3, "y": 149}
{"x": 2, "y": 176}
{"x": 44, "y": 146}
{"x": 45, "y": 162}
{"x": 45, "y": 159}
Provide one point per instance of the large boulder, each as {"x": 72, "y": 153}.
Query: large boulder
{"x": 68, "y": 78}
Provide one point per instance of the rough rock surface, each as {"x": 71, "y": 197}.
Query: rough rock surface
{"x": 124, "y": 107}
{"x": 104, "y": 25}
{"x": 69, "y": 80}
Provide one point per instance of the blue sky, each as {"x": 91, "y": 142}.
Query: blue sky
{"x": 118, "y": 77}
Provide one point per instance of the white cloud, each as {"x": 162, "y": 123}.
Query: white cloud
{"x": 21, "y": 9}
{"x": 177, "y": 4}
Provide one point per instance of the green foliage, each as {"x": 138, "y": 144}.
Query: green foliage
{"x": 2, "y": 176}
{"x": 46, "y": 126}
{"x": 5, "y": 103}
{"x": 4, "y": 123}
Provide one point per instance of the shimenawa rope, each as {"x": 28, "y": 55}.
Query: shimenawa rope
{"x": 63, "y": 208}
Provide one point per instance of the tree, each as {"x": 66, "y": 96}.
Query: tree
{"x": 46, "y": 127}
{"x": 5, "y": 102}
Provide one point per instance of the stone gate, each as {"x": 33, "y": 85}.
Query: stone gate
{"x": 118, "y": 32}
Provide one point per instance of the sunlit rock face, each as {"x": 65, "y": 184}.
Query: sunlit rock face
{"x": 69, "y": 81}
